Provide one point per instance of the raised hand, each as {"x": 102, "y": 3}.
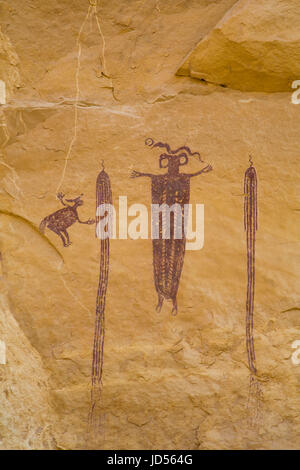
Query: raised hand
{"x": 135, "y": 174}
{"x": 60, "y": 196}
{"x": 207, "y": 169}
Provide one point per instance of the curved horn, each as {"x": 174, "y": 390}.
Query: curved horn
{"x": 150, "y": 143}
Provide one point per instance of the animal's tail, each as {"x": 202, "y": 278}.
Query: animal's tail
{"x": 43, "y": 225}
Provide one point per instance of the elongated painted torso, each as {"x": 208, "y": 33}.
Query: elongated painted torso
{"x": 168, "y": 254}
{"x": 170, "y": 194}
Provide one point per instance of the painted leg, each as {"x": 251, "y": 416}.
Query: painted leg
{"x": 160, "y": 302}
{"x": 55, "y": 230}
{"x": 174, "y": 309}
{"x": 67, "y": 237}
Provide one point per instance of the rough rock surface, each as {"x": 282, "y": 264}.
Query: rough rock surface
{"x": 94, "y": 88}
{"x": 255, "y": 47}
{"x": 27, "y": 419}
{"x": 9, "y": 62}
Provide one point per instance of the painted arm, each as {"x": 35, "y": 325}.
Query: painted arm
{"x": 204, "y": 170}
{"x": 137, "y": 174}
{"x": 89, "y": 221}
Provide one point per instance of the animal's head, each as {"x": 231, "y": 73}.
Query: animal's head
{"x": 77, "y": 201}
{"x": 173, "y": 159}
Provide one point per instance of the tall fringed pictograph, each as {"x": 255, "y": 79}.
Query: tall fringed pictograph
{"x": 103, "y": 196}
{"x": 251, "y": 226}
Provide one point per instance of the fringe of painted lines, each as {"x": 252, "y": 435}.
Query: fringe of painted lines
{"x": 251, "y": 226}
{"x": 103, "y": 196}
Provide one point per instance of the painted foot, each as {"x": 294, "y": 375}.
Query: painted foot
{"x": 159, "y": 305}
{"x": 174, "y": 309}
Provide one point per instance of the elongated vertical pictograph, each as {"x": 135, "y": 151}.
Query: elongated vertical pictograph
{"x": 251, "y": 226}
{"x": 103, "y": 196}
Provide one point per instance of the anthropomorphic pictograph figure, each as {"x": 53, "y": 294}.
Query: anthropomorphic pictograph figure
{"x": 62, "y": 219}
{"x": 168, "y": 189}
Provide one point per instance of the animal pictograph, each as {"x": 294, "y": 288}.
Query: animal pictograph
{"x": 168, "y": 189}
{"x": 59, "y": 221}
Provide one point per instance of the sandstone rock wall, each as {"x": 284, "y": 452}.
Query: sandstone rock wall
{"x": 27, "y": 417}
{"x": 254, "y": 47}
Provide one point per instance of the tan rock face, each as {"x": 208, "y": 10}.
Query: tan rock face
{"x": 255, "y": 47}
{"x": 26, "y": 418}
{"x": 97, "y": 83}
{"x": 9, "y": 72}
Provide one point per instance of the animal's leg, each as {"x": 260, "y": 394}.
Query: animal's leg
{"x": 67, "y": 237}
{"x": 55, "y": 230}
{"x": 160, "y": 302}
{"x": 174, "y": 309}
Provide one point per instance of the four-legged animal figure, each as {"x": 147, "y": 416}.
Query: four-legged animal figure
{"x": 60, "y": 220}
